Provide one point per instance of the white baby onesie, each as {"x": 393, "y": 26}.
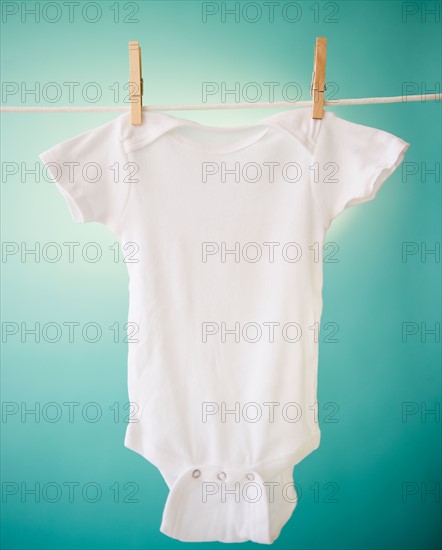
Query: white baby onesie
{"x": 227, "y": 226}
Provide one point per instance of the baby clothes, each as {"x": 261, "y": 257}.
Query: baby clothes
{"x": 227, "y": 226}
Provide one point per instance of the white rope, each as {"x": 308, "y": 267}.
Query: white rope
{"x": 217, "y": 106}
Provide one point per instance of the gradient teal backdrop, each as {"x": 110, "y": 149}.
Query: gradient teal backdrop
{"x": 371, "y": 483}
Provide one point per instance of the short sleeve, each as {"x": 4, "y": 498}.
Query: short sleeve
{"x": 351, "y": 162}
{"x": 90, "y": 172}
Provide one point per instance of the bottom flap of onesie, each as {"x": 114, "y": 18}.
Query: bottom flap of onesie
{"x": 210, "y": 503}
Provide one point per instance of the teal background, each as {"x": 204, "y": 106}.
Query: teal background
{"x": 370, "y": 452}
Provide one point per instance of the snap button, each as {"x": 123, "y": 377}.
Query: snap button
{"x": 250, "y": 477}
{"x": 222, "y": 476}
{"x": 196, "y": 473}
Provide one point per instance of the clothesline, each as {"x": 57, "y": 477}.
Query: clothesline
{"x": 217, "y": 106}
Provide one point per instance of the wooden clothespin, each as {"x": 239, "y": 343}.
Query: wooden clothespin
{"x": 318, "y": 87}
{"x": 135, "y": 83}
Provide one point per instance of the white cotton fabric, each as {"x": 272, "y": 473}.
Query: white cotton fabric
{"x": 229, "y": 225}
